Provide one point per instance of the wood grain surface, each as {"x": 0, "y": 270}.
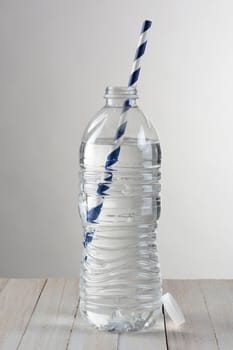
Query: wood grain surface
{"x": 38, "y": 314}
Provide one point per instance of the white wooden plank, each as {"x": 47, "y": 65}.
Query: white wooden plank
{"x": 219, "y": 300}
{"x": 83, "y": 337}
{"x": 3, "y": 282}
{"x": 17, "y": 301}
{"x": 197, "y": 332}
{"x": 153, "y": 339}
{"x": 52, "y": 320}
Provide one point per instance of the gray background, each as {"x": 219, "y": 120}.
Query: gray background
{"x": 56, "y": 59}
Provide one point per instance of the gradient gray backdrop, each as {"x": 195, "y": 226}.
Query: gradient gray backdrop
{"x": 56, "y": 57}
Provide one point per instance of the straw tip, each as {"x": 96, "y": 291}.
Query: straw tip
{"x": 146, "y": 25}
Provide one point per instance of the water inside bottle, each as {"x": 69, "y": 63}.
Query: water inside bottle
{"x": 120, "y": 282}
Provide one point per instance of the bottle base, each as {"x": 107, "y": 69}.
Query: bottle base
{"x": 120, "y": 322}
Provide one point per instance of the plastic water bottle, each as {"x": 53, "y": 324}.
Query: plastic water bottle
{"x": 120, "y": 282}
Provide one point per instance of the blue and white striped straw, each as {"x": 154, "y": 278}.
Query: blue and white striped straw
{"x": 112, "y": 158}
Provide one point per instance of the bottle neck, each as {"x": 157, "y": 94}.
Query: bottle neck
{"x": 116, "y": 96}
{"x": 119, "y": 102}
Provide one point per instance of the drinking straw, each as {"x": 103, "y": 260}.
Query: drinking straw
{"x": 112, "y": 158}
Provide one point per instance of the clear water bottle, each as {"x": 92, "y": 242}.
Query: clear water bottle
{"x": 120, "y": 281}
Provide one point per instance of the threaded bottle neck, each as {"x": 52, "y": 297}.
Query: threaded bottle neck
{"x": 117, "y": 95}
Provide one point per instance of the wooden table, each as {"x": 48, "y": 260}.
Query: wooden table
{"x": 43, "y": 314}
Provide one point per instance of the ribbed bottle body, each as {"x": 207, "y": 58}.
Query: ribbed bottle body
{"x": 120, "y": 282}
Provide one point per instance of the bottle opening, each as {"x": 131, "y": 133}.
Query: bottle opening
{"x": 121, "y": 92}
